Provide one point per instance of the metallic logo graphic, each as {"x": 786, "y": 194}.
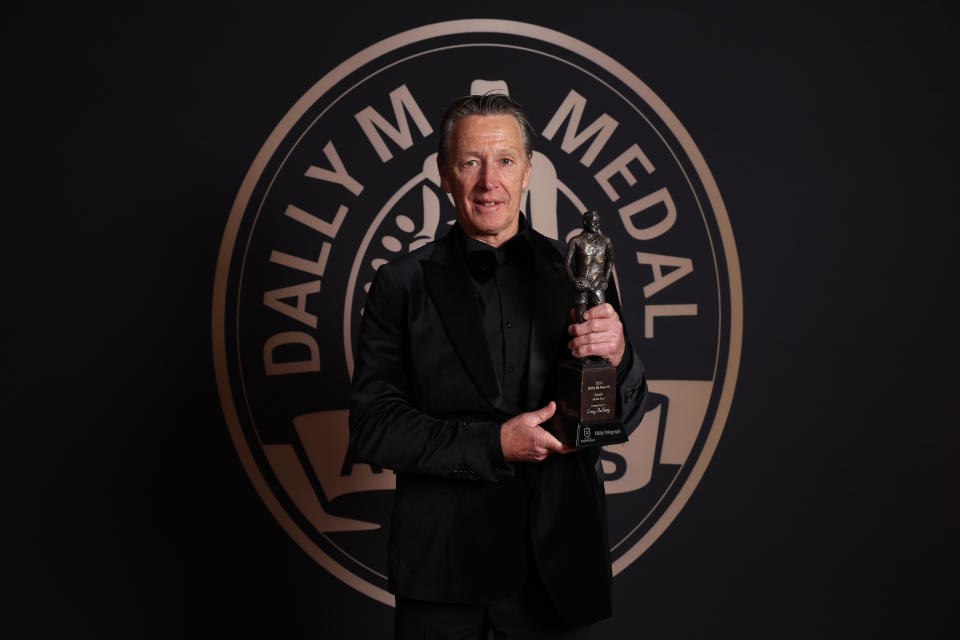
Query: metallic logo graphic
{"x": 348, "y": 180}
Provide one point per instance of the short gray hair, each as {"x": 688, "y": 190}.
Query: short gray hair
{"x": 490, "y": 104}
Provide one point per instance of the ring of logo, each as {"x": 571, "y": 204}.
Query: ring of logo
{"x": 270, "y": 147}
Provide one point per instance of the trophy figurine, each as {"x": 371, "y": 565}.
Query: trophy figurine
{"x": 586, "y": 387}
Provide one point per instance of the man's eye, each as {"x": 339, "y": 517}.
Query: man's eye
{"x": 506, "y": 161}
{"x": 470, "y": 163}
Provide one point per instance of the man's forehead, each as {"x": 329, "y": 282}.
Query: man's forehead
{"x": 486, "y": 126}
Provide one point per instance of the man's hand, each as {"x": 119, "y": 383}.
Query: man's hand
{"x": 524, "y": 440}
{"x": 600, "y": 334}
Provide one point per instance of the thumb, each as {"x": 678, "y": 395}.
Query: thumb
{"x": 545, "y": 413}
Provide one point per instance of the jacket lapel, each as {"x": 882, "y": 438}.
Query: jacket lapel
{"x": 450, "y": 288}
{"x": 553, "y": 299}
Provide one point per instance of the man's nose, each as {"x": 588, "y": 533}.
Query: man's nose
{"x": 489, "y": 177}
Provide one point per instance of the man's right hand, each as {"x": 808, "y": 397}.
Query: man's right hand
{"x": 524, "y": 440}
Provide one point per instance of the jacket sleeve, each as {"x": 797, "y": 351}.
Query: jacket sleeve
{"x": 631, "y": 376}
{"x": 386, "y": 426}
{"x": 631, "y": 389}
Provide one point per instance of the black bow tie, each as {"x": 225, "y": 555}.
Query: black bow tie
{"x": 483, "y": 263}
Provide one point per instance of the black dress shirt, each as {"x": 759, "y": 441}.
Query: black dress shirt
{"x": 503, "y": 280}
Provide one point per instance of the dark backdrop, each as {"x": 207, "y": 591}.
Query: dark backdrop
{"x": 830, "y": 506}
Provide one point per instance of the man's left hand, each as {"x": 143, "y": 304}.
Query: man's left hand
{"x": 600, "y": 334}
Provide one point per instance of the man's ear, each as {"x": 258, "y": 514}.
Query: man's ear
{"x": 444, "y": 183}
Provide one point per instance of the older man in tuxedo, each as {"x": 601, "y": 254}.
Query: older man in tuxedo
{"x": 496, "y": 524}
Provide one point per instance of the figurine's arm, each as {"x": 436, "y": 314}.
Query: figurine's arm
{"x": 608, "y": 263}
{"x": 573, "y": 248}
{"x": 570, "y": 258}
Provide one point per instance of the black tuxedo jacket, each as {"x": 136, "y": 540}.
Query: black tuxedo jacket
{"x": 426, "y": 403}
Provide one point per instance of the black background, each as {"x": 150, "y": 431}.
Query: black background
{"x": 830, "y": 506}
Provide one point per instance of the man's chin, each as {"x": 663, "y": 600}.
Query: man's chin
{"x": 490, "y": 224}
{"x": 495, "y": 214}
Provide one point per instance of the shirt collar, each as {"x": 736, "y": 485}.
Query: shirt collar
{"x": 483, "y": 259}
{"x": 469, "y": 244}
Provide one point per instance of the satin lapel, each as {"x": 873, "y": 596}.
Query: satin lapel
{"x": 449, "y": 286}
{"x": 553, "y": 298}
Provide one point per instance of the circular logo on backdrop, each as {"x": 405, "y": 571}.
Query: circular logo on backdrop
{"x": 348, "y": 181}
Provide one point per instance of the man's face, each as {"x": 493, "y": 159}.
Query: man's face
{"x": 592, "y": 223}
{"x": 486, "y": 173}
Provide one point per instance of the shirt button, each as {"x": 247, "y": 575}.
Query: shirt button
{"x": 503, "y": 283}
{"x": 509, "y": 325}
{"x": 510, "y": 369}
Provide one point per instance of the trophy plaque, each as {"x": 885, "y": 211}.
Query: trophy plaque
{"x": 587, "y": 405}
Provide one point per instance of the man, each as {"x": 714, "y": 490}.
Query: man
{"x": 496, "y": 524}
{"x": 589, "y": 263}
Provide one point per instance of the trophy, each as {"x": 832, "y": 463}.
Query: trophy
{"x": 587, "y": 387}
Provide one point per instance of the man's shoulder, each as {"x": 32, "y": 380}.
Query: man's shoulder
{"x": 411, "y": 260}
{"x": 407, "y": 267}
{"x": 548, "y": 247}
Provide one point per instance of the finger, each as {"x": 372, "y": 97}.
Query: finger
{"x": 604, "y": 348}
{"x": 583, "y": 351}
{"x": 596, "y": 325}
{"x": 591, "y": 345}
{"x": 581, "y": 328}
{"x": 551, "y": 444}
{"x": 579, "y": 341}
{"x": 601, "y": 331}
{"x": 604, "y": 310}
{"x": 606, "y": 329}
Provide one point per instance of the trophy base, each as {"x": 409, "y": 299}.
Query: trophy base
{"x": 587, "y": 405}
{"x": 587, "y": 434}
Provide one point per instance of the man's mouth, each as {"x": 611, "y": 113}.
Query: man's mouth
{"x": 486, "y": 204}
